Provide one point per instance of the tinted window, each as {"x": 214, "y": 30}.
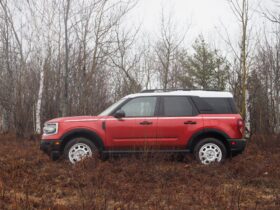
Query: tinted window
{"x": 202, "y": 105}
{"x": 233, "y": 106}
{"x": 177, "y": 106}
{"x": 215, "y": 105}
{"x": 219, "y": 105}
{"x": 140, "y": 107}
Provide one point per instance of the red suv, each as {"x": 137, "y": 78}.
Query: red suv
{"x": 205, "y": 123}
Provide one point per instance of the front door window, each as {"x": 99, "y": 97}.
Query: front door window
{"x": 140, "y": 107}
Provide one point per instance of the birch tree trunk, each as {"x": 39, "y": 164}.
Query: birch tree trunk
{"x": 5, "y": 121}
{"x": 244, "y": 20}
{"x": 65, "y": 101}
{"x": 39, "y": 100}
{"x": 241, "y": 11}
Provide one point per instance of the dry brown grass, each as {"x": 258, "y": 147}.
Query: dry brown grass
{"x": 29, "y": 180}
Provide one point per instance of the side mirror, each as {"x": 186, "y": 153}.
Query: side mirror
{"x": 119, "y": 114}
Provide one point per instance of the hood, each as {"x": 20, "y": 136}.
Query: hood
{"x": 74, "y": 118}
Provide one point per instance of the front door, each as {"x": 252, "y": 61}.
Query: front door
{"x": 137, "y": 129}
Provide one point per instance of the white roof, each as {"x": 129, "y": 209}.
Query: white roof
{"x": 200, "y": 93}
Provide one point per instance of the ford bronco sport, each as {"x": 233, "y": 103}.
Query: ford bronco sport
{"x": 205, "y": 123}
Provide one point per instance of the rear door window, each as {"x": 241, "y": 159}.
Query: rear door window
{"x": 175, "y": 106}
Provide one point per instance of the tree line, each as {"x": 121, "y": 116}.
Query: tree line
{"x": 64, "y": 58}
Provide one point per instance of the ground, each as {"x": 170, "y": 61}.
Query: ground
{"x": 30, "y": 180}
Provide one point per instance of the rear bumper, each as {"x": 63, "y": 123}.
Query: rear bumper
{"x": 51, "y": 147}
{"x": 237, "y": 145}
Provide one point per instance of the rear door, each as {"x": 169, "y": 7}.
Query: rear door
{"x": 138, "y": 128}
{"x": 178, "y": 120}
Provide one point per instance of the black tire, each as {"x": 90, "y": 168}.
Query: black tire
{"x": 54, "y": 155}
{"x": 216, "y": 148}
{"x": 87, "y": 145}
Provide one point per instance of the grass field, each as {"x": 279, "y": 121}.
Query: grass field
{"x": 29, "y": 180}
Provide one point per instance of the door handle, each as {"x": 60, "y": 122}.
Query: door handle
{"x": 190, "y": 123}
{"x": 145, "y": 123}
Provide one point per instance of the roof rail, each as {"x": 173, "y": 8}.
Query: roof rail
{"x": 170, "y": 90}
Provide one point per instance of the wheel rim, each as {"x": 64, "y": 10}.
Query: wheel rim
{"x": 210, "y": 153}
{"x": 78, "y": 152}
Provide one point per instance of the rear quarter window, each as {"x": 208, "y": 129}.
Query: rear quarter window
{"x": 215, "y": 105}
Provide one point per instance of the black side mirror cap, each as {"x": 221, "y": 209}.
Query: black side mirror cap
{"x": 119, "y": 114}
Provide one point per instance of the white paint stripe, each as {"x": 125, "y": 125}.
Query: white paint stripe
{"x": 201, "y": 93}
{"x": 152, "y": 118}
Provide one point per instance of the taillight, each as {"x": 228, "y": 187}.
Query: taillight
{"x": 240, "y": 125}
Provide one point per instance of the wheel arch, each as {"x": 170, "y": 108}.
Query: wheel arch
{"x": 85, "y": 133}
{"x": 208, "y": 133}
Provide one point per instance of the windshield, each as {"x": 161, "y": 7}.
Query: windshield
{"x": 107, "y": 111}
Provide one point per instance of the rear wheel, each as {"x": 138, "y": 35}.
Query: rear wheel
{"x": 78, "y": 149}
{"x": 209, "y": 151}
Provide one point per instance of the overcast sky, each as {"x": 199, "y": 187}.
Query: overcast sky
{"x": 205, "y": 16}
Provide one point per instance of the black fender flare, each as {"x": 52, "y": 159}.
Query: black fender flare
{"x": 207, "y": 132}
{"x": 82, "y": 132}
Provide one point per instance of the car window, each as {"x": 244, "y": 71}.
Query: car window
{"x": 219, "y": 105}
{"x": 140, "y": 107}
{"x": 107, "y": 111}
{"x": 215, "y": 105}
{"x": 177, "y": 106}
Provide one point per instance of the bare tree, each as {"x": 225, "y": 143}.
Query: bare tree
{"x": 41, "y": 38}
{"x": 65, "y": 104}
{"x": 125, "y": 60}
{"x": 272, "y": 16}
{"x": 5, "y": 37}
{"x": 147, "y": 63}
{"x": 167, "y": 48}
{"x": 14, "y": 55}
{"x": 240, "y": 8}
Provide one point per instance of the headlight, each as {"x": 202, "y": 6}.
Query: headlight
{"x": 50, "y": 128}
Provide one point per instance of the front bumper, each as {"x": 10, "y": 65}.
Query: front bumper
{"x": 237, "y": 145}
{"x": 51, "y": 147}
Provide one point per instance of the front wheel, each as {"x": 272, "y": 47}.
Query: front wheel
{"x": 210, "y": 150}
{"x": 78, "y": 149}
